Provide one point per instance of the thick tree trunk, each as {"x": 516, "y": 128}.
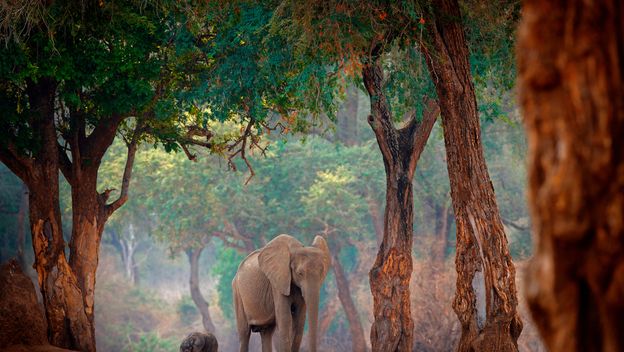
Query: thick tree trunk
{"x": 486, "y": 299}
{"x": 87, "y": 228}
{"x": 358, "y": 343}
{"x": 391, "y": 273}
{"x": 196, "y": 295}
{"x": 68, "y": 326}
{"x": 90, "y": 210}
{"x": 571, "y": 78}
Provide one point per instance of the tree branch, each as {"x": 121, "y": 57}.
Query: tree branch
{"x": 422, "y": 131}
{"x": 380, "y": 118}
{"x": 127, "y": 175}
{"x": 65, "y": 164}
{"x": 102, "y": 137}
{"x": 19, "y": 165}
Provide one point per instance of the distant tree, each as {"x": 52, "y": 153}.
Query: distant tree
{"x": 570, "y": 61}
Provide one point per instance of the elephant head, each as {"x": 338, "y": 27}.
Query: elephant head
{"x": 285, "y": 261}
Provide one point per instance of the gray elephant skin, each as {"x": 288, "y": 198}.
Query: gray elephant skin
{"x": 199, "y": 342}
{"x": 272, "y": 289}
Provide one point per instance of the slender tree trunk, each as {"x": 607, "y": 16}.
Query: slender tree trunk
{"x": 21, "y": 227}
{"x": 376, "y": 218}
{"x": 358, "y": 343}
{"x": 328, "y": 314}
{"x": 486, "y": 298}
{"x": 571, "y": 77}
{"x": 443, "y": 215}
{"x": 196, "y": 295}
{"x": 391, "y": 273}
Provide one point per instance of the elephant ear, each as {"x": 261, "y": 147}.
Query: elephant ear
{"x": 320, "y": 243}
{"x": 274, "y": 260}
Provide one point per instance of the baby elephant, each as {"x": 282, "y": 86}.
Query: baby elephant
{"x": 199, "y": 342}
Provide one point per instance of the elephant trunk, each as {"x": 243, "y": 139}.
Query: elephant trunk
{"x": 311, "y": 297}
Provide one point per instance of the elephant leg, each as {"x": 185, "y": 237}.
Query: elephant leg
{"x": 284, "y": 321}
{"x": 244, "y": 330}
{"x": 267, "y": 339}
{"x": 299, "y": 317}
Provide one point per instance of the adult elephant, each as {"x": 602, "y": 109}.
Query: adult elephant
{"x": 272, "y": 288}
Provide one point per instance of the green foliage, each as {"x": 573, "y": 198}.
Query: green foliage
{"x": 225, "y": 268}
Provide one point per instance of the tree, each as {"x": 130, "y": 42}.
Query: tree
{"x": 570, "y": 59}
{"x": 486, "y": 298}
{"x": 370, "y": 41}
{"x": 79, "y": 76}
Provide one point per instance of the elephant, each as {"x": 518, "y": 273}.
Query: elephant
{"x": 199, "y": 342}
{"x": 273, "y": 287}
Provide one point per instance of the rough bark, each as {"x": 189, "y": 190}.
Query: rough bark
{"x": 571, "y": 79}
{"x": 390, "y": 275}
{"x": 68, "y": 326}
{"x": 90, "y": 209}
{"x": 486, "y": 299}
{"x": 358, "y": 343}
{"x": 196, "y": 295}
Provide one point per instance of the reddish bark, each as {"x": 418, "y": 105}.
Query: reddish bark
{"x": 571, "y": 79}
{"x": 486, "y": 300}
{"x": 68, "y": 326}
{"x": 390, "y": 275}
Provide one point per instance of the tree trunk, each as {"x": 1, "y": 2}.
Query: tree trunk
{"x": 198, "y": 298}
{"x": 571, "y": 78}
{"x": 328, "y": 315}
{"x": 87, "y": 227}
{"x": 21, "y": 227}
{"x": 90, "y": 210}
{"x": 390, "y": 275}
{"x": 127, "y": 248}
{"x": 486, "y": 299}
{"x": 68, "y": 326}
{"x": 358, "y": 343}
